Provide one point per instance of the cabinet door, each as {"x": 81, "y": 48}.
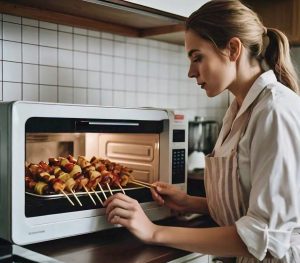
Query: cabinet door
{"x": 192, "y": 258}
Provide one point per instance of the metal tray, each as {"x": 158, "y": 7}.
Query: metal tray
{"x": 83, "y": 193}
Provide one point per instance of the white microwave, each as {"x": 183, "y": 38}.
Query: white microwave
{"x": 151, "y": 142}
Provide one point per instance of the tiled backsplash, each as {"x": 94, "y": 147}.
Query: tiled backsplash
{"x": 48, "y": 62}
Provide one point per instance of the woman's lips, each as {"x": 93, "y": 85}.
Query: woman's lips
{"x": 202, "y": 85}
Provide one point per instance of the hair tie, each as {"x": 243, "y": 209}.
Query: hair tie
{"x": 266, "y": 42}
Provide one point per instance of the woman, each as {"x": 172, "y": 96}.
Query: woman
{"x": 252, "y": 178}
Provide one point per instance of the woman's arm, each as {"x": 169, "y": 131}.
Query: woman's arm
{"x": 221, "y": 241}
{"x": 196, "y": 204}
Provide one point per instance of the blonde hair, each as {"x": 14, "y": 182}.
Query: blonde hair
{"x": 220, "y": 20}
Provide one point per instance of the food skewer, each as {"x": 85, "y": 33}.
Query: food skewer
{"x": 77, "y": 199}
{"x": 141, "y": 182}
{"x": 97, "y": 196}
{"x": 102, "y": 191}
{"x": 144, "y": 185}
{"x": 121, "y": 188}
{"x": 63, "y": 192}
{"x": 109, "y": 188}
{"x": 89, "y": 195}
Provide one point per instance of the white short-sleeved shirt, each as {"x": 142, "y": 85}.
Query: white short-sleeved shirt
{"x": 268, "y": 165}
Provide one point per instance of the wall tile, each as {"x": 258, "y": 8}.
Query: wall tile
{"x": 130, "y": 50}
{"x": 11, "y": 31}
{"x": 93, "y": 97}
{"x": 30, "y": 22}
{"x": 30, "y": 53}
{"x": 48, "y": 93}
{"x": 1, "y": 91}
{"x": 30, "y": 35}
{"x": 80, "y": 78}
{"x": 106, "y": 63}
{"x": 48, "y": 37}
{"x": 65, "y": 40}
{"x": 119, "y": 98}
{"x": 93, "y": 33}
{"x": 93, "y": 45}
{"x": 106, "y": 47}
{"x": 80, "y": 96}
{"x": 119, "y": 65}
{"x": 106, "y": 80}
{"x": 12, "y": 91}
{"x": 130, "y": 67}
{"x": 12, "y": 71}
{"x": 65, "y": 28}
{"x": 80, "y": 60}
{"x": 30, "y": 73}
{"x": 65, "y": 58}
{"x": 80, "y": 43}
{"x": 65, "y": 95}
{"x": 10, "y": 18}
{"x": 12, "y": 51}
{"x": 118, "y": 82}
{"x": 106, "y": 97}
{"x": 119, "y": 49}
{"x": 130, "y": 83}
{"x": 48, "y": 75}
{"x": 81, "y": 31}
{"x": 65, "y": 77}
{"x": 93, "y": 62}
{"x": 130, "y": 98}
{"x": 30, "y": 92}
{"x": 48, "y": 25}
{"x": 48, "y": 56}
{"x": 93, "y": 80}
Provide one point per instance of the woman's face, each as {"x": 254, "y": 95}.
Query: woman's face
{"x": 211, "y": 69}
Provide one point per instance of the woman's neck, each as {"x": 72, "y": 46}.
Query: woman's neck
{"x": 243, "y": 83}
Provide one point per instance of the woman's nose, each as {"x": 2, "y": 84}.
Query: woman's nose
{"x": 192, "y": 73}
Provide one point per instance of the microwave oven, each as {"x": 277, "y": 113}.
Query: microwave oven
{"x": 151, "y": 142}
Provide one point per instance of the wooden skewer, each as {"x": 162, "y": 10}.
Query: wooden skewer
{"x": 109, "y": 188}
{"x": 97, "y": 196}
{"x": 102, "y": 191}
{"x": 76, "y": 197}
{"x": 121, "y": 188}
{"x": 141, "y": 182}
{"x": 144, "y": 185}
{"x": 71, "y": 202}
{"x": 89, "y": 195}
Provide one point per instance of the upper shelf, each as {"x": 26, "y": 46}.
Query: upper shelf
{"x": 114, "y": 16}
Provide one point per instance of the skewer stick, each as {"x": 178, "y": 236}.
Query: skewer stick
{"x": 102, "y": 191}
{"x": 121, "y": 188}
{"x": 76, "y": 197}
{"x": 109, "y": 188}
{"x": 141, "y": 182}
{"x": 97, "y": 196}
{"x": 89, "y": 195}
{"x": 71, "y": 202}
{"x": 143, "y": 185}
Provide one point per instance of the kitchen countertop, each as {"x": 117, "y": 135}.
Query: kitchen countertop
{"x": 115, "y": 245}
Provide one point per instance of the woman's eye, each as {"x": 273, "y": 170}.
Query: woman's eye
{"x": 197, "y": 59}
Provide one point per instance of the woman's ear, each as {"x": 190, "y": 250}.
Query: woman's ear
{"x": 234, "y": 47}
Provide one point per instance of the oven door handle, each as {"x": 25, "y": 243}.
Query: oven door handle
{"x": 101, "y": 123}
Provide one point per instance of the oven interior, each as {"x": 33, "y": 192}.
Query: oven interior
{"x": 130, "y": 143}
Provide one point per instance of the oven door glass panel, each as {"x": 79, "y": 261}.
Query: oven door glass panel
{"x": 137, "y": 151}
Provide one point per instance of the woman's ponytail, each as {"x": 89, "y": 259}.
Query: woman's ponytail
{"x": 277, "y": 57}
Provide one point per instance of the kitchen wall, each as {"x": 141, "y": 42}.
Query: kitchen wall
{"x": 47, "y": 62}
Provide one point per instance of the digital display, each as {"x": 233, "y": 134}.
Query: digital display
{"x": 178, "y": 135}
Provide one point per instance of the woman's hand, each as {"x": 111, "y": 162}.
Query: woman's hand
{"x": 123, "y": 210}
{"x": 169, "y": 195}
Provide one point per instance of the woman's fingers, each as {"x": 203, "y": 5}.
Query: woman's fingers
{"x": 118, "y": 212}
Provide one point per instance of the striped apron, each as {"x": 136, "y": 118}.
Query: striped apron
{"x": 225, "y": 198}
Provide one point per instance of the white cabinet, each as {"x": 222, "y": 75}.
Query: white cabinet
{"x": 192, "y": 258}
